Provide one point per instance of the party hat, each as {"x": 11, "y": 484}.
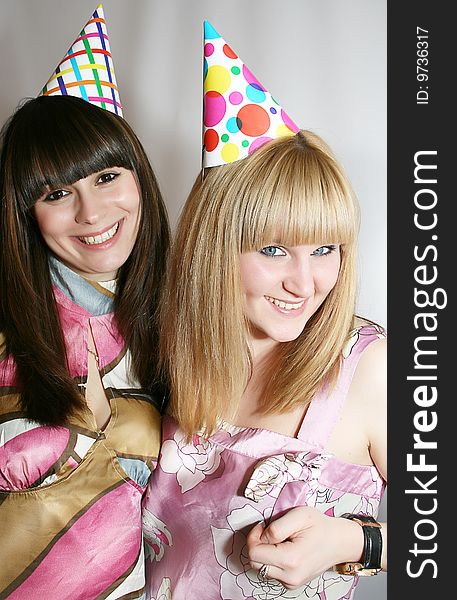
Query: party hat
{"x": 87, "y": 70}
{"x": 239, "y": 114}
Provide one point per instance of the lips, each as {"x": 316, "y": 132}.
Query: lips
{"x": 100, "y": 238}
{"x": 285, "y": 305}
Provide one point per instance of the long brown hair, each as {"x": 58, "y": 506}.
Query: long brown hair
{"x": 49, "y": 142}
{"x": 292, "y": 191}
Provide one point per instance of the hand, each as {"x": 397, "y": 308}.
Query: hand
{"x": 302, "y": 544}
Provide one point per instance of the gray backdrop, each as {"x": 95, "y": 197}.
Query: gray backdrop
{"x": 324, "y": 62}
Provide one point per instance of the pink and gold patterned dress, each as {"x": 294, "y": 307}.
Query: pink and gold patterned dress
{"x": 205, "y": 496}
{"x": 70, "y": 497}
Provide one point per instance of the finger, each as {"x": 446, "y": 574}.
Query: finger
{"x": 269, "y": 554}
{"x": 273, "y": 571}
{"x": 253, "y": 537}
{"x": 255, "y": 565}
{"x": 287, "y": 526}
{"x": 287, "y": 577}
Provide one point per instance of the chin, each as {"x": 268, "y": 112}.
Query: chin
{"x": 286, "y": 337}
{"x": 109, "y": 266}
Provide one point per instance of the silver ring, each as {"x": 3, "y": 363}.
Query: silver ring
{"x": 263, "y": 572}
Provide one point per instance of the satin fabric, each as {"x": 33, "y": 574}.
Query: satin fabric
{"x": 70, "y": 497}
{"x": 205, "y": 496}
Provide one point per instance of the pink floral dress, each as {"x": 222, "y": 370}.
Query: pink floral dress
{"x": 205, "y": 496}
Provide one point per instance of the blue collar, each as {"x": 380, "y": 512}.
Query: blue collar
{"x": 91, "y": 296}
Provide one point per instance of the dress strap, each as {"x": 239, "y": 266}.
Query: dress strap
{"x": 326, "y": 406}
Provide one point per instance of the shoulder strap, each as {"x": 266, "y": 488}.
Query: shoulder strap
{"x": 326, "y": 406}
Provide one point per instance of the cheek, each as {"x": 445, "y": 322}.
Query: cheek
{"x": 132, "y": 195}
{"x": 132, "y": 203}
{"x": 49, "y": 220}
{"x": 137, "y": 209}
{"x": 135, "y": 212}
{"x": 256, "y": 279}
{"x": 328, "y": 277}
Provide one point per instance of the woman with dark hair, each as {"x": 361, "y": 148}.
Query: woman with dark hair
{"x": 84, "y": 243}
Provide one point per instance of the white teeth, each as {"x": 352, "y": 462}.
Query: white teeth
{"x": 285, "y": 305}
{"x": 103, "y": 237}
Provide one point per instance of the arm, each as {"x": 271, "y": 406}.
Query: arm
{"x": 304, "y": 543}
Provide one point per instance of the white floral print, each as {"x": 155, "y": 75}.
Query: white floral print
{"x": 329, "y": 586}
{"x": 191, "y": 462}
{"x": 156, "y": 536}
{"x": 238, "y": 580}
{"x": 164, "y": 592}
{"x": 214, "y": 492}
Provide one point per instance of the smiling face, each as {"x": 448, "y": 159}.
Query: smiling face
{"x": 92, "y": 224}
{"x": 284, "y": 286}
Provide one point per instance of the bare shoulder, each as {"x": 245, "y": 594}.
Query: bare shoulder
{"x": 373, "y": 361}
{"x": 369, "y": 384}
{"x": 368, "y": 396}
{"x": 360, "y": 434}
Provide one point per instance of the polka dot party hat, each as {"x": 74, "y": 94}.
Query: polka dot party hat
{"x": 239, "y": 114}
{"x": 87, "y": 69}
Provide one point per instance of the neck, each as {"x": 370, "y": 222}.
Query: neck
{"x": 262, "y": 348}
{"x": 249, "y": 413}
{"x": 262, "y": 352}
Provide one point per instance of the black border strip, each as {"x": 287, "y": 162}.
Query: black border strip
{"x": 421, "y": 129}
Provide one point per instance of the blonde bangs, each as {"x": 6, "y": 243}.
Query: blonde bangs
{"x": 301, "y": 197}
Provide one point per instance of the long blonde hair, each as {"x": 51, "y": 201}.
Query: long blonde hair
{"x": 292, "y": 191}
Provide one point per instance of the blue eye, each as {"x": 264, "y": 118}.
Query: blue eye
{"x": 272, "y": 251}
{"x": 324, "y": 250}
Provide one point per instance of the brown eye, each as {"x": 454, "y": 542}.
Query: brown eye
{"x": 107, "y": 177}
{"x": 56, "y": 195}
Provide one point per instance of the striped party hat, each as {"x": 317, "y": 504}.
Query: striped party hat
{"x": 87, "y": 70}
{"x": 239, "y": 114}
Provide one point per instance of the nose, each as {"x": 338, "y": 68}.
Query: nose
{"x": 87, "y": 207}
{"x": 299, "y": 279}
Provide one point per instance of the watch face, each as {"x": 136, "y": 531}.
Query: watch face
{"x": 367, "y": 572}
{"x": 355, "y": 569}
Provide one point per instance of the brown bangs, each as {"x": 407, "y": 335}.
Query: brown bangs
{"x": 60, "y": 140}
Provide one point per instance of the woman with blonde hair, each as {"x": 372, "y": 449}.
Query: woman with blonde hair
{"x": 277, "y": 389}
{"x": 290, "y": 193}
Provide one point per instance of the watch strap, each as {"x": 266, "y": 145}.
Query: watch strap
{"x": 372, "y": 547}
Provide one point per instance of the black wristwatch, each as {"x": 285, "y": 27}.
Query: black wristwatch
{"x": 372, "y": 548}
